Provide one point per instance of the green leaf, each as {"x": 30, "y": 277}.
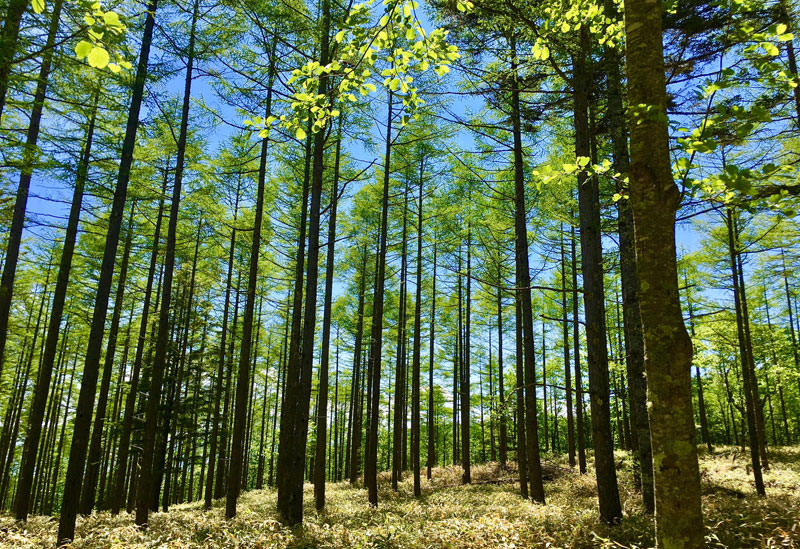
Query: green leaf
{"x": 38, "y": 6}
{"x": 300, "y": 134}
{"x": 83, "y": 48}
{"x": 98, "y": 57}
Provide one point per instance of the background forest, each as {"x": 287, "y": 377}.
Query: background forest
{"x": 422, "y": 249}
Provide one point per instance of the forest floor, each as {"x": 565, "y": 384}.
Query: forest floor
{"x": 488, "y": 513}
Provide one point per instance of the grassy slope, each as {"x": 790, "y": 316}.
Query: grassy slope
{"x": 489, "y": 513}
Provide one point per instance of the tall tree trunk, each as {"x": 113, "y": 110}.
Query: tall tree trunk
{"x": 748, "y": 378}
{"x": 376, "y": 334}
{"x": 86, "y": 396}
{"x": 358, "y": 413}
{"x": 145, "y": 480}
{"x": 431, "y": 458}
{"x": 522, "y": 443}
{"x": 417, "y": 347}
{"x": 576, "y": 341}
{"x": 400, "y": 354}
{"x": 523, "y": 279}
{"x": 322, "y": 410}
{"x": 593, "y": 296}
{"x": 567, "y": 362}
{"x": 42, "y": 387}
{"x": 29, "y": 154}
{"x": 503, "y": 450}
{"x": 292, "y": 451}
{"x": 87, "y": 501}
{"x": 668, "y": 350}
{"x": 634, "y": 340}
{"x": 8, "y": 44}
{"x": 243, "y": 381}
{"x": 118, "y": 497}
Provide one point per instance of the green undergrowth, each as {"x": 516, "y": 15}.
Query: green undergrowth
{"x": 488, "y": 513}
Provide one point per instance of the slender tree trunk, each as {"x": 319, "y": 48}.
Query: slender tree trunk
{"x": 581, "y": 433}
{"x": 668, "y": 350}
{"x": 747, "y": 375}
{"x": 593, "y": 297}
{"x": 145, "y": 479}
{"x": 417, "y": 348}
{"x": 86, "y": 396}
{"x": 90, "y": 478}
{"x": 8, "y": 37}
{"x": 400, "y": 355}
{"x": 355, "y": 447}
{"x": 322, "y": 409}
{"x": 523, "y": 279}
{"x": 431, "y": 458}
{"x": 243, "y": 381}
{"x": 522, "y": 443}
{"x": 118, "y": 498}
{"x": 42, "y": 388}
{"x": 567, "y": 363}
{"x": 8, "y": 44}
{"x": 376, "y": 335}
{"x": 503, "y": 450}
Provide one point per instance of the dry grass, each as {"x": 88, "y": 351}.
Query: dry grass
{"x": 488, "y": 513}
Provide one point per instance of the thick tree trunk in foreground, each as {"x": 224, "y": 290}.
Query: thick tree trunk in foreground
{"x": 668, "y": 350}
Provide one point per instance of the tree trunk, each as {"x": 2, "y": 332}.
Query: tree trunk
{"x": 145, "y": 480}
{"x": 29, "y": 155}
{"x": 322, "y": 409}
{"x": 668, "y": 350}
{"x": 431, "y": 457}
{"x": 86, "y": 396}
{"x": 42, "y": 387}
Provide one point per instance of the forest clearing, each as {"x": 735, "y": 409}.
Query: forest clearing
{"x": 487, "y": 513}
{"x": 268, "y": 266}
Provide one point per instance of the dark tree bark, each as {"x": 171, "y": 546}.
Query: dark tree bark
{"x": 145, "y": 477}
{"x": 522, "y": 443}
{"x": 243, "y": 381}
{"x": 42, "y": 387}
{"x": 503, "y": 450}
{"x": 464, "y": 377}
{"x": 87, "y": 501}
{"x": 8, "y": 38}
{"x": 523, "y": 279}
{"x": 358, "y": 413}
{"x": 400, "y": 390}
{"x": 634, "y": 341}
{"x": 376, "y": 335}
{"x": 85, "y": 407}
{"x": 431, "y": 458}
{"x": 748, "y": 377}
{"x": 8, "y": 44}
{"x": 417, "y": 345}
{"x": 322, "y": 409}
{"x": 593, "y": 297}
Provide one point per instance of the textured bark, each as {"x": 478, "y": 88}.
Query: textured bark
{"x": 503, "y": 428}
{"x": 400, "y": 390}
{"x": 417, "y": 348}
{"x": 576, "y": 341}
{"x": 522, "y": 443}
{"x": 668, "y": 350}
{"x": 431, "y": 387}
{"x": 464, "y": 385}
{"x": 90, "y": 478}
{"x": 748, "y": 377}
{"x": 358, "y": 374}
{"x": 634, "y": 340}
{"x": 85, "y": 406}
{"x": 567, "y": 362}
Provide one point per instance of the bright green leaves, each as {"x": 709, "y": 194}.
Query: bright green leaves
{"x": 98, "y": 57}
{"x": 606, "y": 29}
{"x": 396, "y": 39}
{"x": 38, "y": 6}
{"x": 101, "y": 24}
